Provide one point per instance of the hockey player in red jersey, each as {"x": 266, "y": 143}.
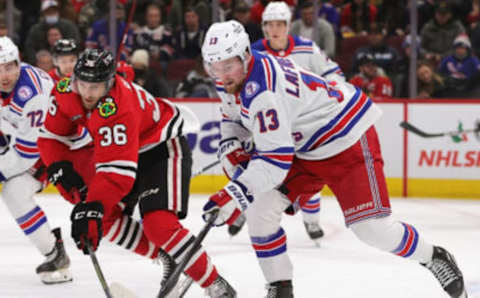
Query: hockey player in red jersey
{"x": 65, "y": 54}
{"x": 139, "y": 155}
{"x": 308, "y": 132}
{"x": 372, "y": 79}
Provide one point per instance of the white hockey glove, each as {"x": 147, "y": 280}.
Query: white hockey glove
{"x": 231, "y": 201}
{"x": 233, "y": 157}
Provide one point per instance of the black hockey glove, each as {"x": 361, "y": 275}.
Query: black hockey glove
{"x": 87, "y": 224}
{"x": 62, "y": 173}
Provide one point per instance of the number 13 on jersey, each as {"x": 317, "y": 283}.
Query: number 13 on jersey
{"x": 268, "y": 120}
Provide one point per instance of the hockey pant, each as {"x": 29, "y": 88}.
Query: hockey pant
{"x": 17, "y": 194}
{"x": 267, "y": 236}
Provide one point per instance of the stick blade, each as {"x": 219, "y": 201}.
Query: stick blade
{"x": 413, "y": 129}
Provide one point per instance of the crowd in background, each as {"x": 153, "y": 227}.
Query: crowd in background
{"x": 369, "y": 39}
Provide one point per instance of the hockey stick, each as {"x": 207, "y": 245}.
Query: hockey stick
{"x": 98, "y": 270}
{"x": 205, "y": 168}
{"x": 173, "y": 279}
{"x": 125, "y": 30}
{"x": 413, "y": 129}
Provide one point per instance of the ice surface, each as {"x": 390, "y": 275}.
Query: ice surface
{"x": 343, "y": 267}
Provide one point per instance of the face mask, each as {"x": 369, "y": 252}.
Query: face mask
{"x": 51, "y": 19}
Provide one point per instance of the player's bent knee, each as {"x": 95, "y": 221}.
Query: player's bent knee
{"x": 20, "y": 189}
{"x": 160, "y": 225}
{"x": 378, "y": 231}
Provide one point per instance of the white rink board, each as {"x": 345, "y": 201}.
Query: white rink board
{"x": 442, "y": 157}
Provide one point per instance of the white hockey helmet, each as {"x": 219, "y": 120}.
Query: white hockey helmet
{"x": 224, "y": 41}
{"x": 8, "y": 51}
{"x": 277, "y": 11}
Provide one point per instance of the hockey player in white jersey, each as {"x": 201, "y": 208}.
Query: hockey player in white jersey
{"x": 308, "y": 132}
{"x": 277, "y": 42}
{"x": 25, "y": 92}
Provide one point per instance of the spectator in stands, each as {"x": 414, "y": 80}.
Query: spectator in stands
{"x": 319, "y": 30}
{"x": 385, "y": 56}
{"x": 357, "y": 18}
{"x": 197, "y": 83}
{"x": 154, "y": 37}
{"x": 53, "y": 35}
{"x": 241, "y": 13}
{"x": 17, "y": 17}
{"x": 372, "y": 79}
{"x": 438, "y": 34}
{"x": 460, "y": 69}
{"x": 37, "y": 36}
{"x": 99, "y": 36}
{"x": 145, "y": 76}
{"x": 188, "y": 40}
{"x": 400, "y": 78}
{"x": 31, "y": 12}
{"x": 225, "y": 11}
{"x": 393, "y": 16}
{"x": 330, "y": 12}
{"x": 474, "y": 14}
{"x": 90, "y": 12}
{"x": 259, "y": 6}
{"x": 176, "y": 16}
{"x": 430, "y": 84}
{"x": 44, "y": 60}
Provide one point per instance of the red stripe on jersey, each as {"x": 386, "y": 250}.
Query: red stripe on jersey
{"x": 175, "y": 174}
{"x": 281, "y": 157}
{"x": 26, "y": 149}
{"x": 343, "y": 122}
{"x": 178, "y": 237}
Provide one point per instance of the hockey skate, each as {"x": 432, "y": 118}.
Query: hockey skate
{"x": 280, "y": 289}
{"x": 445, "y": 269}
{"x": 55, "y": 268}
{"x": 314, "y": 230}
{"x": 237, "y": 225}
{"x": 220, "y": 288}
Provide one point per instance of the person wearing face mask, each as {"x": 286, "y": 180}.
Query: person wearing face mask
{"x": 37, "y": 36}
{"x": 461, "y": 68}
{"x": 145, "y": 76}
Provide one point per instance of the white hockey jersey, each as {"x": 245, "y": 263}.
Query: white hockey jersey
{"x": 292, "y": 112}
{"x": 306, "y": 54}
{"x": 22, "y": 114}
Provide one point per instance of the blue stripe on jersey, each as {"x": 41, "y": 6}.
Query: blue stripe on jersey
{"x": 301, "y": 41}
{"x": 274, "y": 73}
{"x": 27, "y": 155}
{"x": 351, "y": 124}
{"x": 330, "y": 71}
{"x": 332, "y": 122}
{"x": 279, "y": 150}
{"x": 280, "y": 164}
{"x": 83, "y": 135}
{"x": 26, "y": 143}
{"x": 15, "y": 112}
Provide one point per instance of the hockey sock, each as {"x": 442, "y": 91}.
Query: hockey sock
{"x": 311, "y": 209}
{"x": 163, "y": 228}
{"x": 34, "y": 224}
{"x": 396, "y": 237}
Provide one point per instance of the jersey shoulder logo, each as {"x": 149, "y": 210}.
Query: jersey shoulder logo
{"x": 24, "y": 93}
{"x": 251, "y": 88}
{"x": 63, "y": 86}
{"x": 107, "y": 107}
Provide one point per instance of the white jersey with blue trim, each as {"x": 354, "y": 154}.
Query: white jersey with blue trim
{"x": 291, "y": 112}
{"x": 22, "y": 114}
{"x": 305, "y": 53}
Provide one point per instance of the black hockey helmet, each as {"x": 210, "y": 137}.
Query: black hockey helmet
{"x": 65, "y": 47}
{"x": 95, "y": 65}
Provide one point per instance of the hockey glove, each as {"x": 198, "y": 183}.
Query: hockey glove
{"x": 233, "y": 157}
{"x": 87, "y": 224}
{"x": 231, "y": 201}
{"x": 62, "y": 173}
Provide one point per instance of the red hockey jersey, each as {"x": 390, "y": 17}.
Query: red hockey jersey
{"x": 380, "y": 86}
{"x": 125, "y": 122}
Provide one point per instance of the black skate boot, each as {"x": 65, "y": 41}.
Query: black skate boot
{"x": 314, "y": 230}
{"x": 55, "y": 268}
{"x": 445, "y": 269}
{"x": 237, "y": 225}
{"x": 220, "y": 288}
{"x": 280, "y": 289}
